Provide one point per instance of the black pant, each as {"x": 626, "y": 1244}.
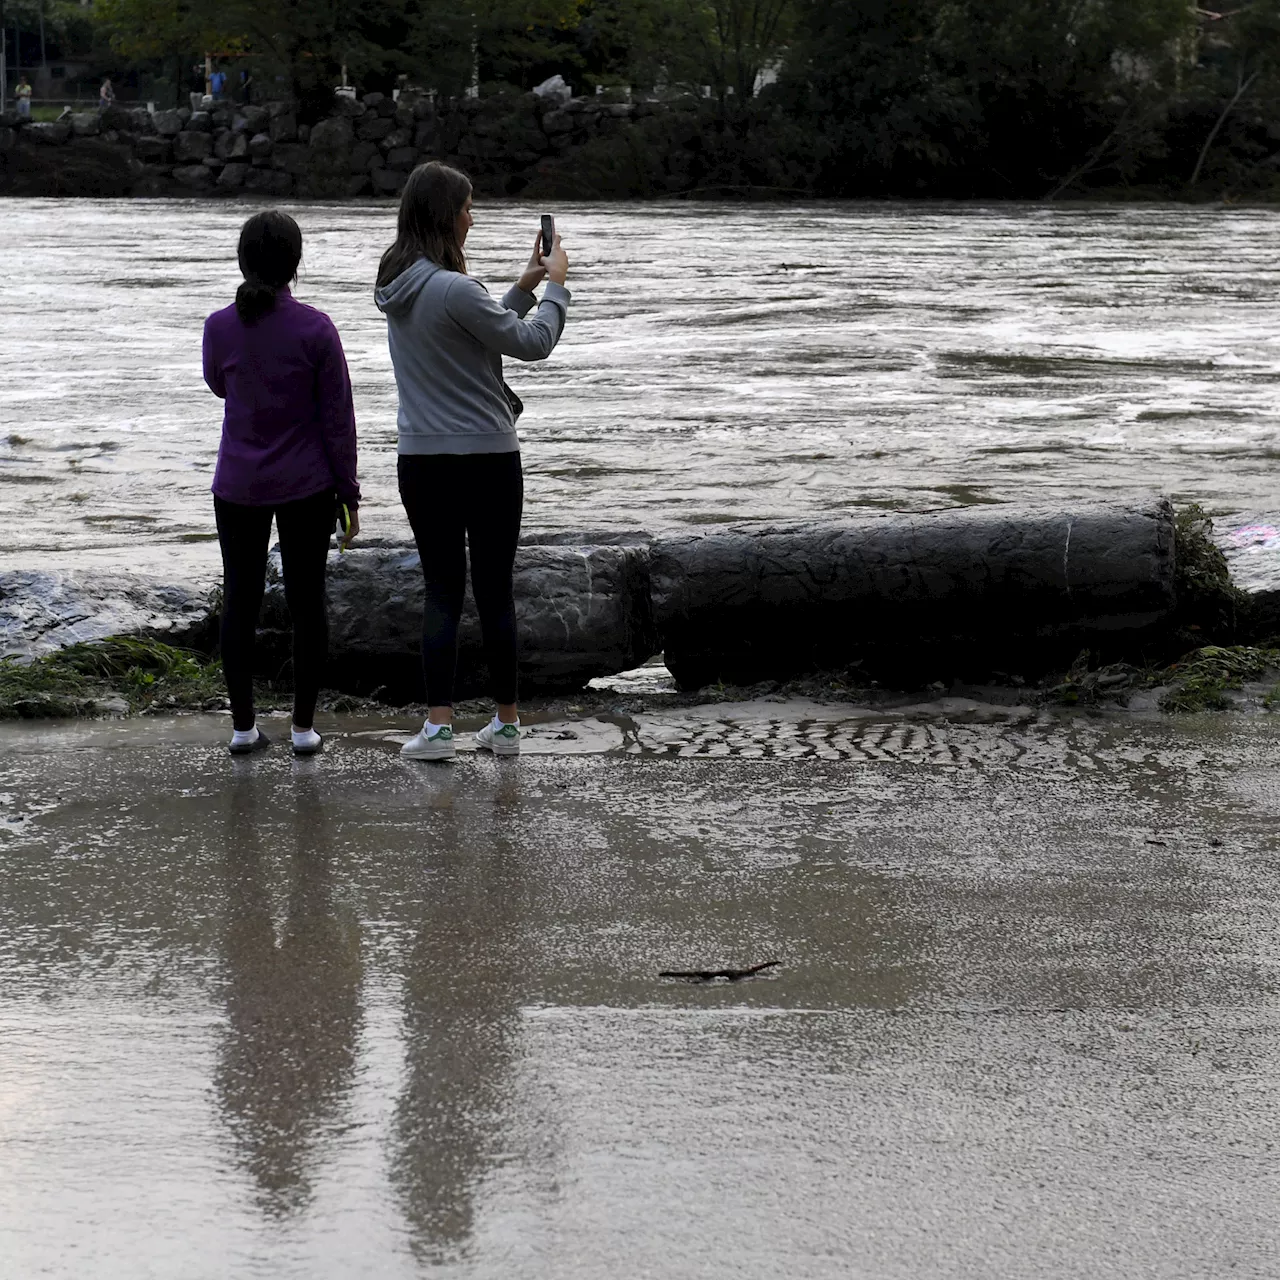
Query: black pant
{"x": 244, "y": 533}
{"x": 454, "y": 500}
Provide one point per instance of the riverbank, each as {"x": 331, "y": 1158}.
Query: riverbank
{"x": 509, "y": 144}
{"x": 535, "y": 147}
{"x": 1098, "y": 606}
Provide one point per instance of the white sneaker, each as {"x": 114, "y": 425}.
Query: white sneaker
{"x": 439, "y": 746}
{"x": 502, "y": 741}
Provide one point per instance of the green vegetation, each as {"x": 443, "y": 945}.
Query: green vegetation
{"x": 115, "y": 674}
{"x": 1200, "y": 680}
{"x": 1208, "y": 601}
{"x": 1039, "y": 99}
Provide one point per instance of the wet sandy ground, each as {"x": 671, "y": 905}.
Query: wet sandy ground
{"x": 355, "y": 1016}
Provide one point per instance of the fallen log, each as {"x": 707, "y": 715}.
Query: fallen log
{"x": 915, "y": 596}
{"x": 581, "y": 612}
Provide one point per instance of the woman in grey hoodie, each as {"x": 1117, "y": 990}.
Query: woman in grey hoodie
{"x": 459, "y": 456}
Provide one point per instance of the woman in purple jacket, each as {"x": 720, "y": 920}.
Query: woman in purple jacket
{"x": 289, "y": 451}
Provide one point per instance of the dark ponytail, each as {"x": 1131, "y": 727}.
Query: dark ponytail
{"x": 269, "y": 252}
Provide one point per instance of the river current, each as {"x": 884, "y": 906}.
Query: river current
{"x": 720, "y": 363}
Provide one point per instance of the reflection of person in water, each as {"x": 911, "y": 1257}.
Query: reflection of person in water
{"x": 293, "y": 1005}
{"x": 462, "y": 997}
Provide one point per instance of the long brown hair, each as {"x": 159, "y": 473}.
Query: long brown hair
{"x": 433, "y": 198}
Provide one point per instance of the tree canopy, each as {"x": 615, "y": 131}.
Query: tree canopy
{"x": 956, "y": 97}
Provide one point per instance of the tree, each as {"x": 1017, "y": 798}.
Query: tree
{"x": 1240, "y": 57}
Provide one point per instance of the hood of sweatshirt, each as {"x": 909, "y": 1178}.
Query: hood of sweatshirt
{"x": 396, "y": 298}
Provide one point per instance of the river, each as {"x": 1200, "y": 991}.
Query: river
{"x": 721, "y": 363}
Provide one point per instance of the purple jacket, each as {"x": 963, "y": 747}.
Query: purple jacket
{"x": 289, "y": 430}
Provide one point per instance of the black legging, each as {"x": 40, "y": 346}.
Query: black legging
{"x": 244, "y": 533}
{"x": 454, "y": 500}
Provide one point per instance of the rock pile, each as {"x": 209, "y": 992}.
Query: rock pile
{"x": 368, "y": 146}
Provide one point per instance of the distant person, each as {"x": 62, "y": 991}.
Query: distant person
{"x": 106, "y": 95}
{"x": 459, "y": 456}
{"x": 23, "y": 94}
{"x": 289, "y": 451}
{"x": 218, "y": 84}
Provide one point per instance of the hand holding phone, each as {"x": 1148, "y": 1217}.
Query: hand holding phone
{"x": 548, "y": 233}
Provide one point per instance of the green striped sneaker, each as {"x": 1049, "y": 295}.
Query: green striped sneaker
{"x": 439, "y": 746}
{"x": 502, "y": 741}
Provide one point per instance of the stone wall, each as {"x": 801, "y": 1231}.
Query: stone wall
{"x": 510, "y": 145}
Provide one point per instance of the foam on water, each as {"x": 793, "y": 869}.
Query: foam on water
{"x": 721, "y": 363}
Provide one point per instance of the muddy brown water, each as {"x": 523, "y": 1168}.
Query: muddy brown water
{"x": 720, "y": 363}
{"x": 355, "y": 1016}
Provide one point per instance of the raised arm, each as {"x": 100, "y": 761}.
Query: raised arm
{"x": 500, "y": 326}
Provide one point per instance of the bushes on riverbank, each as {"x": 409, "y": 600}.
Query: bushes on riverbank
{"x": 989, "y": 99}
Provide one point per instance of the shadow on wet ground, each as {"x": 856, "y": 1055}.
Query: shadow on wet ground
{"x": 359, "y": 1016}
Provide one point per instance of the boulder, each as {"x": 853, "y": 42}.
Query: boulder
{"x": 952, "y": 593}
{"x": 168, "y": 124}
{"x": 191, "y": 148}
{"x": 48, "y": 133}
{"x": 388, "y": 182}
{"x": 292, "y": 157}
{"x": 347, "y": 105}
{"x": 8, "y": 138}
{"x": 332, "y": 137}
{"x": 582, "y": 612}
{"x": 41, "y": 611}
{"x": 260, "y": 146}
{"x": 231, "y": 146}
{"x": 402, "y": 158}
{"x": 395, "y": 139}
{"x": 268, "y": 182}
{"x": 251, "y": 120}
{"x": 553, "y": 91}
{"x": 200, "y": 122}
{"x": 373, "y": 128}
{"x": 196, "y": 176}
{"x": 361, "y": 154}
{"x": 85, "y": 124}
{"x": 284, "y": 127}
{"x": 233, "y": 175}
{"x": 154, "y": 150}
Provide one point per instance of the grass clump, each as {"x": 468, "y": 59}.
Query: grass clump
{"x": 84, "y": 679}
{"x": 1084, "y": 687}
{"x": 1199, "y": 681}
{"x": 1209, "y": 603}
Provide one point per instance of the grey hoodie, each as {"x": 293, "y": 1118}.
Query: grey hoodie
{"x": 447, "y": 338}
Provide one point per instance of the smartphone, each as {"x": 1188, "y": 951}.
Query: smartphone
{"x": 548, "y": 233}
